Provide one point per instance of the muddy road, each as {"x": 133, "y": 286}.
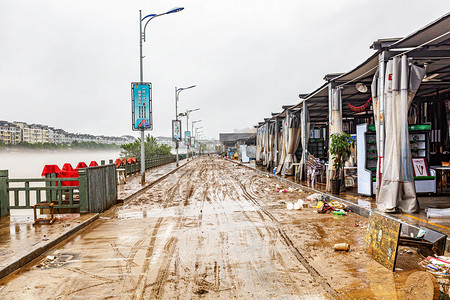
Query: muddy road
{"x": 212, "y": 230}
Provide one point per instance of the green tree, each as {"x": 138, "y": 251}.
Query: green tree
{"x": 151, "y": 146}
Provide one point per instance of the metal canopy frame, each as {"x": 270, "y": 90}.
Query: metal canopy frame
{"x": 429, "y": 45}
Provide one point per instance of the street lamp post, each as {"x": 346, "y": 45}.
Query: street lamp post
{"x": 177, "y": 98}
{"x": 197, "y": 137}
{"x": 193, "y": 122}
{"x": 141, "y": 77}
{"x": 186, "y": 114}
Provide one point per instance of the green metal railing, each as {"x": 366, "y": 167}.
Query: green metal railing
{"x": 54, "y": 192}
{"x": 21, "y": 194}
{"x": 152, "y": 162}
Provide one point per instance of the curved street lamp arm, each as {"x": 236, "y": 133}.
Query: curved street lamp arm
{"x": 152, "y": 16}
{"x": 145, "y": 26}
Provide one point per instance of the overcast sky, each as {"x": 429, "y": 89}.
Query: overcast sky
{"x": 69, "y": 63}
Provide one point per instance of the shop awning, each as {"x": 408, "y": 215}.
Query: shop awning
{"x": 438, "y": 31}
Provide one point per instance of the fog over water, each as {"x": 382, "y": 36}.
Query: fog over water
{"x": 29, "y": 164}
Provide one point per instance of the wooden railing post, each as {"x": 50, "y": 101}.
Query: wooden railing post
{"x": 4, "y": 193}
{"x": 83, "y": 189}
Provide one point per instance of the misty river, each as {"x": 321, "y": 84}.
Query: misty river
{"x": 29, "y": 164}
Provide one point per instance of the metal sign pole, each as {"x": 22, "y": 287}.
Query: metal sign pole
{"x": 141, "y": 80}
{"x": 176, "y": 118}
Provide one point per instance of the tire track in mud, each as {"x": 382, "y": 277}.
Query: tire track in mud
{"x": 288, "y": 242}
{"x": 175, "y": 187}
{"x": 140, "y": 285}
{"x": 129, "y": 259}
{"x": 83, "y": 273}
{"x": 248, "y": 236}
{"x": 220, "y": 271}
{"x": 170, "y": 255}
{"x": 209, "y": 179}
{"x": 181, "y": 189}
{"x": 157, "y": 291}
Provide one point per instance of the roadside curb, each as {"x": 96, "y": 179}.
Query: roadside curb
{"x": 39, "y": 251}
{"x": 145, "y": 188}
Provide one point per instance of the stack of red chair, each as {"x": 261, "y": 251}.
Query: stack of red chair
{"x": 68, "y": 172}
{"x": 81, "y": 165}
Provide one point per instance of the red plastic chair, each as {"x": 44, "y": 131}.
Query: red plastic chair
{"x": 118, "y": 162}
{"x": 67, "y": 167}
{"x": 81, "y": 165}
{"x": 50, "y": 169}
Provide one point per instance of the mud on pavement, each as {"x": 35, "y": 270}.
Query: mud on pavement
{"x": 212, "y": 230}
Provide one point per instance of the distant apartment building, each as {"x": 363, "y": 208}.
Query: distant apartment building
{"x": 16, "y": 132}
{"x": 9, "y": 133}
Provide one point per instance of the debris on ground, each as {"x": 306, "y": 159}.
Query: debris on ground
{"x": 436, "y": 265}
{"x": 438, "y": 212}
{"x": 315, "y": 196}
{"x": 421, "y": 233}
{"x": 336, "y": 207}
{"x": 288, "y": 190}
{"x": 297, "y": 205}
{"x": 342, "y": 247}
{"x": 339, "y": 212}
{"x": 357, "y": 224}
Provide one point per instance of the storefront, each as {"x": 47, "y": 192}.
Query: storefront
{"x": 395, "y": 104}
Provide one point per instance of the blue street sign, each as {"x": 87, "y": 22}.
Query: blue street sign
{"x": 141, "y": 96}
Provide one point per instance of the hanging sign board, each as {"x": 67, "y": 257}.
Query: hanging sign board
{"x": 196, "y": 144}
{"x": 187, "y": 138}
{"x": 192, "y": 141}
{"x": 176, "y": 130}
{"x": 141, "y": 97}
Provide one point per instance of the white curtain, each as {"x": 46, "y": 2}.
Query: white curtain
{"x": 305, "y": 133}
{"x": 258, "y": 145}
{"x": 271, "y": 145}
{"x": 397, "y": 190}
{"x": 292, "y": 143}
{"x": 265, "y": 145}
{"x": 283, "y": 144}
{"x": 376, "y": 114}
